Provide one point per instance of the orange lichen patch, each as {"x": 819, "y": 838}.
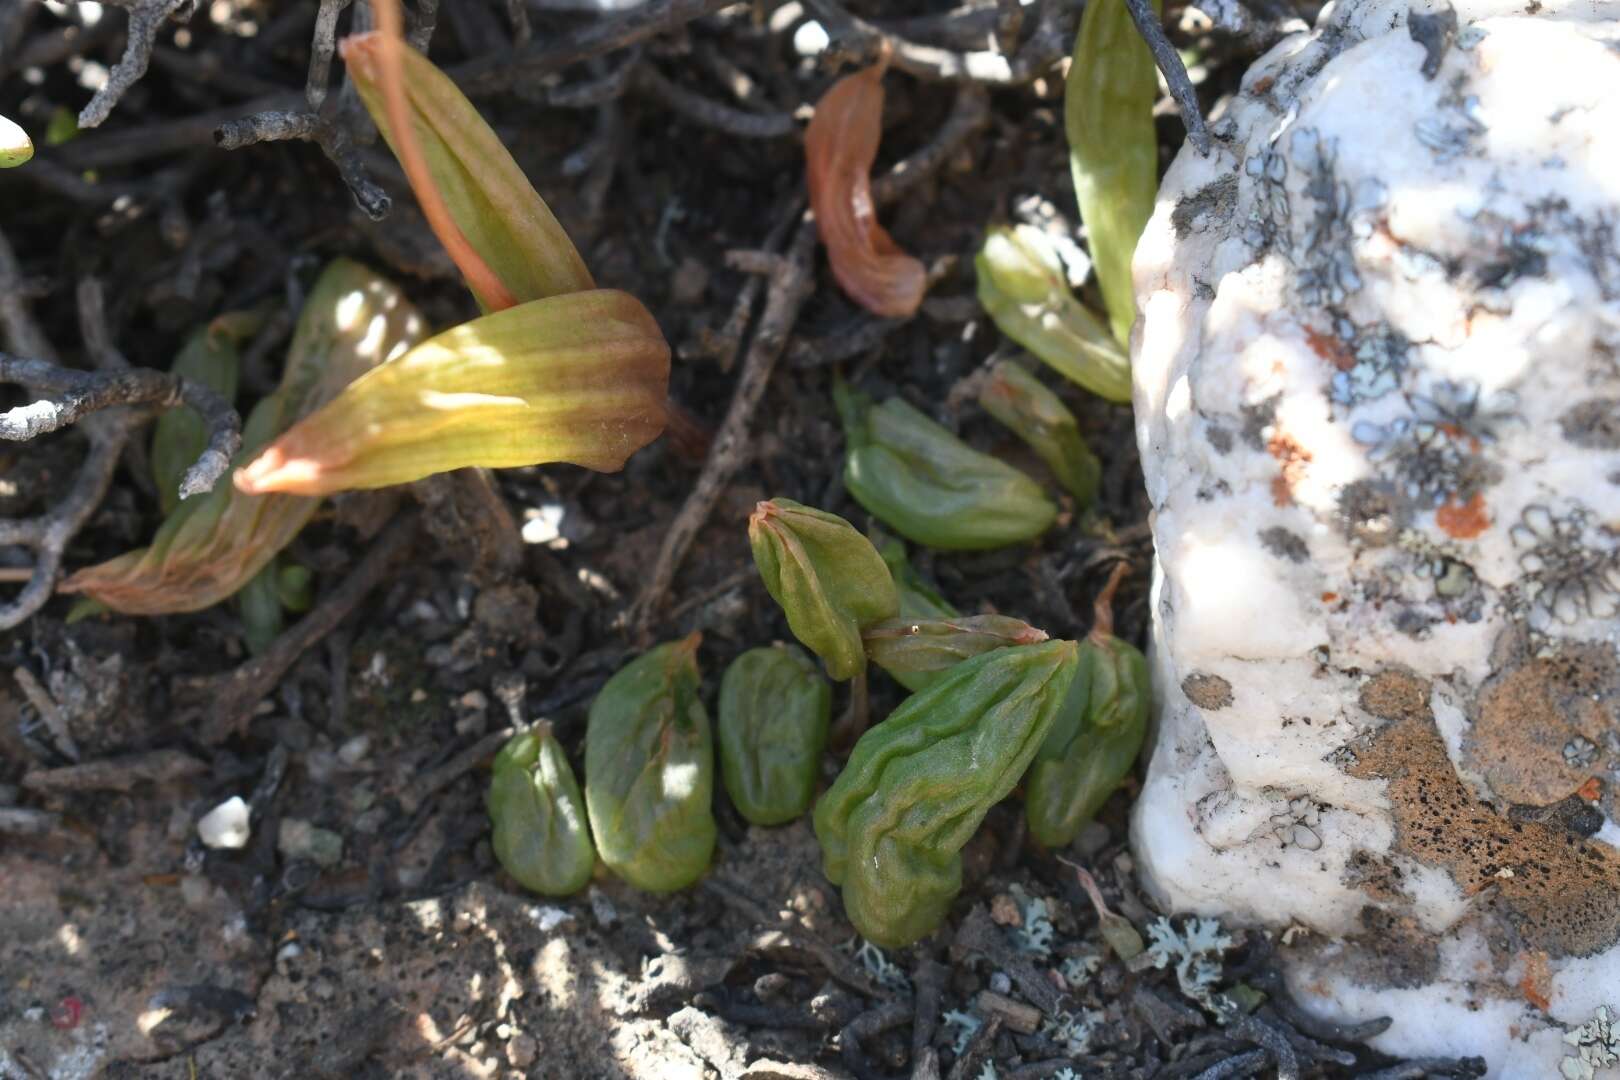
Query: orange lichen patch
{"x": 1330, "y": 348}
{"x": 1329, "y": 597}
{"x": 1591, "y": 791}
{"x": 1294, "y": 458}
{"x": 1530, "y": 712}
{"x": 1463, "y": 521}
{"x": 1557, "y": 891}
{"x": 1537, "y": 979}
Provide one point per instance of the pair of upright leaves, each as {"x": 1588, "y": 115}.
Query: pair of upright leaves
{"x": 570, "y": 373}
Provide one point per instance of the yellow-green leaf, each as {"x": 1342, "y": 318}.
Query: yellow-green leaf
{"x": 1113, "y": 149}
{"x": 486, "y": 193}
{"x": 1025, "y": 291}
{"x": 579, "y": 378}
{"x": 213, "y": 544}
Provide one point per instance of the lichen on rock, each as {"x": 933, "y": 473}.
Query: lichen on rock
{"x": 1376, "y": 371}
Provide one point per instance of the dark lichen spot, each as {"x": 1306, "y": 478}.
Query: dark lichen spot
{"x": 1435, "y": 33}
{"x": 1594, "y": 424}
{"x": 1209, "y": 692}
{"x": 1219, "y": 438}
{"x": 1558, "y": 893}
{"x": 1258, "y": 417}
{"x": 1396, "y": 951}
{"x": 1211, "y": 205}
{"x": 1284, "y": 544}
{"x": 1370, "y": 513}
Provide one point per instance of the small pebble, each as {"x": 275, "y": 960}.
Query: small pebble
{"x": 226, "y": 825}
{"x": 299, "y": 839}
{"x": 355, "y": 750}
{"x": 1000, "y": 983}
{"x": 1004, "y": 911}
{"x": 521, "y": 1051}
{"x": 770, "y": 985}
{"x": 601, "y": 907}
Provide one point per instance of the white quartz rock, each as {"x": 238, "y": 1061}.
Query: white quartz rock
{"x": 227, "y": 825}
{"x": 1378, "y": 403}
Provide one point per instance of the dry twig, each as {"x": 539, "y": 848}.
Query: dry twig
{"x": 225, "y": 703}
{"x": 858, "y": 41}
{"x": 117, "y": 774}
{"x": 145, "y": 18}
{"x": 792, "y": 280}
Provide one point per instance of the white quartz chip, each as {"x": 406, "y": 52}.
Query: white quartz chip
{"x": 226, "y": 825}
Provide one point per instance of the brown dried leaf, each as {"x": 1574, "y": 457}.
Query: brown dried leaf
{"x": 840, "y": 146}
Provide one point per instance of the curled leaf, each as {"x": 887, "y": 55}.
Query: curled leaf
{"x": 1113, "y": 148}
{"x": 827, "y": 577}
{"x": 1024, "y": 290}
{"x": 579, "y": 378}
{"x": 1023, "y": 403}
{"x": 917, "y": 651}
{"x": 213, "y": 544}
{"x": 930, "y": 486}
{"x": 840, "y": 145}
{"x": 496, "y": 209}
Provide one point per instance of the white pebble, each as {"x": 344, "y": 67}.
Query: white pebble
{"x": 226, "y": 825}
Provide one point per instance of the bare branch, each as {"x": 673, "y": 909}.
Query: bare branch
{"x": 276, "y": 124}
{"x": 321, "y": 49}
{"x": 145, "y": 18}
{"x": 858, "y": 41}
{"x": 696, "y": 107}
{"x": 79, "y": 393}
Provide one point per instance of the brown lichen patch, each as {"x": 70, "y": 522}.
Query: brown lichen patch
{"x": 1376, "y": 876}
{"x": 1330, "y": 348}
{"x": 1207, "y": 691}
{"x": 1543, "y": 724}
{"x": 1463, "y": 521}
{"x": 1396, "y": 952}
{"x": 1560, "y": 892}
{"x": 1294, "y": 459}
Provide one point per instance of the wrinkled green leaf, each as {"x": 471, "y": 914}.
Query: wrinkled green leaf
{"x": 917, "y": 652}
{"x": 1113, "y": 149}
{"x": 928, "y": 485}
{"x": 540, "y": 835}
{"x": 917, "y": 785}
{"x": 1096, "y": 739}
{"x": 1023, "y": 288}
{"x": 774, "y": 709}
{"x": 649, "y": 770}
{"x": 1038, "y": 416}
{"x": 828, "y": 578}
